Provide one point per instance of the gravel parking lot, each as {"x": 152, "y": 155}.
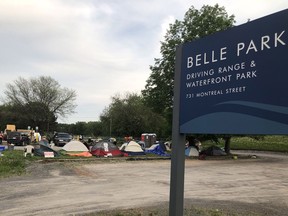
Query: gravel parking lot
{"x": 73, "y": 188}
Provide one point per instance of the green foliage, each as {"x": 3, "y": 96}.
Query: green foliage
{"x": 92, "y": 129}
{"x": 128, "y": 115}
{"x": 38, "y": 102}
{"x": 158, "y": 92}
{"x": 12, "y": 163}
{"x": 7, "y": 116}
{"x": 267, "y": 143}
{"x": 274, "y": 143}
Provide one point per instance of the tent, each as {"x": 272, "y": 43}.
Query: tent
{"x": 105, "y": 149}
{"x": 168, "y": 145}
{"x": 191, "y": 151}
{"x": 157, "y": 149}
{"x": 122, "y": 147}
{"x": 39, "y": 150}
{"x": 152, "y": 147}
{"x": 132, "y": 148}
{"x": 75, "y": 146}
{"x": 142, "y": 144}
{"x": 213, "y": 151}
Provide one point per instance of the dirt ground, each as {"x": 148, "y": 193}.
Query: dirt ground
{"x": 245, "y": 186}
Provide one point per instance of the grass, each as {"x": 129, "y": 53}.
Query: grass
{"x": 12, "y": 163}
{"x": 163, "y": 210}
{"x": 268, "y": 143}
{"x": 275, "y": 143}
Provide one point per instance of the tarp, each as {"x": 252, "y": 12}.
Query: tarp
{"x": 105, "y": 149}
{"x": 82, "y": 154}
{"x": 44, "y": 142}
{"x": 213, "y": 151}
{"x": 191, "y": 151}
{"x": 75, "y": 146}
{"x": 39, "y": 150}
{"x": 157, "y": 149}
{"x": 152, "y": 147}
{"x": 132, "y": 148}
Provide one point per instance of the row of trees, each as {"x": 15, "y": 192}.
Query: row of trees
{"x": 30, "y": 103}
{"x": 127, "y": 115}
{"x": 41, "y": 101}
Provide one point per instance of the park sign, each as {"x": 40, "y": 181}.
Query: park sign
{"x": 236, "y": 81}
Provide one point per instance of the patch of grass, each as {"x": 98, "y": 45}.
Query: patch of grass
{"x": 164, "y": 211}
{"x": 275, "y": 143}
{"x": 12, "y": 163}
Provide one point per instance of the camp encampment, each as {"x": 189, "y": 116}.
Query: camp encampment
{"x": 105, "y": 149}
{"x": 132, "y": 148}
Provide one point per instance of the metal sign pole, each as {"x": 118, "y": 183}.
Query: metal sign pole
{"x": 178, "y": 148}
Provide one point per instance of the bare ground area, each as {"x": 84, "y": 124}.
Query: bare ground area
{"x": 119, "y": 187}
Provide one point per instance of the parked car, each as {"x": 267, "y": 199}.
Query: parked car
{"x": 61, "y": 138}
{"x": 18, "y": 138}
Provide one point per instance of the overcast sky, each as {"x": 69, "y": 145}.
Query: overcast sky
{"x": 96, "y": 47}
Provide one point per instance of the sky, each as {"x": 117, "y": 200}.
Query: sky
{"x": 99, "y": 48}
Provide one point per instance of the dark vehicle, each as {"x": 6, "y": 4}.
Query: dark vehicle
{"x": 18, "y": 138}
{"x": 60, "y": 138}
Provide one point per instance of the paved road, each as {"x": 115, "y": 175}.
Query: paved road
{"x": 58, "y": 189}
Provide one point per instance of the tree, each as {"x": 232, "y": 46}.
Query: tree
{"x": 129, "y": 116}
{"x": 158, "y": 92}
{"x": 40, "y": 101}
{"x": 93, "y": 128}
{"x": 7, "y": 116}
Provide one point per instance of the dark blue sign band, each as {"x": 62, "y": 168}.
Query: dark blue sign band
{"x": 236, "y": 81}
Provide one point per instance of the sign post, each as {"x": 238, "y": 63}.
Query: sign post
{"x": 178, "y": 148}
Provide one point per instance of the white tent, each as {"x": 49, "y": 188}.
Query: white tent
{"x": 75, "y": 146}
{"x": 123, "y": 146}
{"x": 191, "y": 151}
{"x": 133, "y": 146}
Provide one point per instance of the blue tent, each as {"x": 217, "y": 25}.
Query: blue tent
{"x": 158, "y": 150}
